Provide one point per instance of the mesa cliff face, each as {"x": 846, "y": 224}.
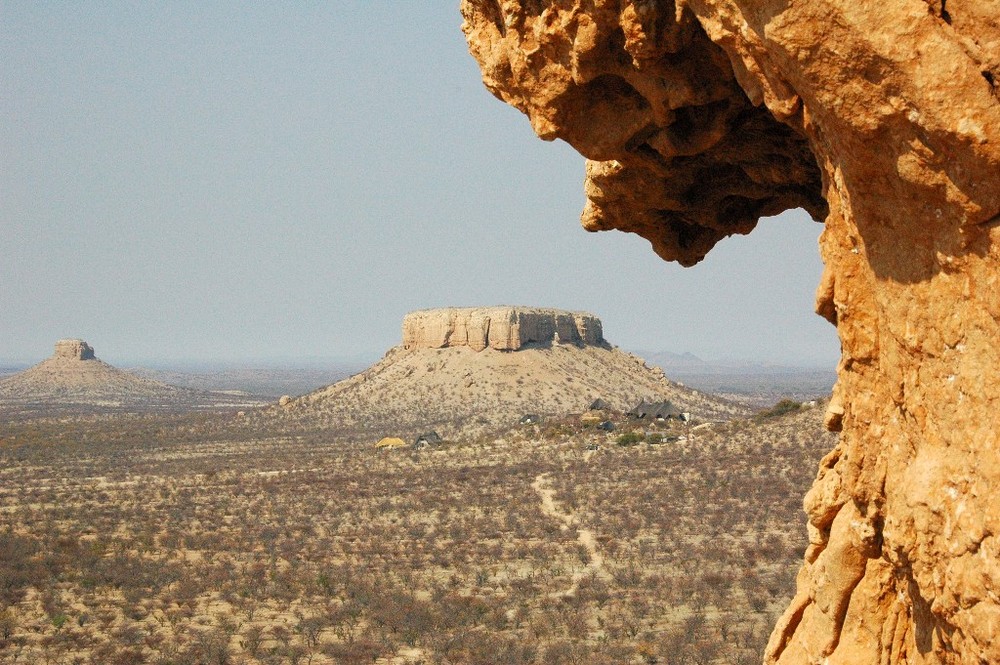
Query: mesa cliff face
{"x": 74, "y": 349}
{"x": 499, "y": 328}
{"x": 883, "y": 120}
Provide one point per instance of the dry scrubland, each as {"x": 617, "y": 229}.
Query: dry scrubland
{"x": 162, "y": 541}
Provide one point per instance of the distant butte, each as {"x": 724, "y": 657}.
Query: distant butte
{"x": 500, "y": 328}
{"x": 74, "y": 349}
{"x": 74, "y": 378}
{"x": 472, "y": 370}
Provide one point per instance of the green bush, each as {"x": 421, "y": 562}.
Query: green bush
{"x": 779, "y": 409}
{"x": 630, "y": 438}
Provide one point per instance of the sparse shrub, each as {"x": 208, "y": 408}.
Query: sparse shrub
{"x": 252, "y": 639}
{"x": 781, "y": 408}
{"x": 630, "y": 438}
{"x": 8, "y": 624}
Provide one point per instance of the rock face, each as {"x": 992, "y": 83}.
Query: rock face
{"x": 678, "y": 153}
{"x": 74, "y": 349}
{"x": 499, "y": 328}
{"x": 882, "y": 119}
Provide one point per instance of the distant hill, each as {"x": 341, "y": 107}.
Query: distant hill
{"x": 469, "y": 370}
{"x": 670, "y": 360}
{"x": 268, "y": 382}
{"x": 74, "y": 379}
{"x": 7, "y": 370}
{"x": 754, "y": 383}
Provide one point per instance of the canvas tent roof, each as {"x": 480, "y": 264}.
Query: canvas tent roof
{"x": 664, "y": 409}
{"x": 640, "y": 410}
{"x": 428, "y": 437}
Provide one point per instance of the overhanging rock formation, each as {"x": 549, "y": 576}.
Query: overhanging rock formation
{"x": 883, "y": 119}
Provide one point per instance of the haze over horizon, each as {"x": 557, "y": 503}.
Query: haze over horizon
{"x": 190, "y": 183}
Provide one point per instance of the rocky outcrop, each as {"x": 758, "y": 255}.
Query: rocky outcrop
{"x": 883, "y": 120}
{"x": 678, "y": 153}
{"x": 74, "y": 349}
{"x": 498, "y": 328}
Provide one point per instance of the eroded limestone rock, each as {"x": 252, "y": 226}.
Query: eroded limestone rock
{"x": 678, "y": 153}
{"x": 499, "y": 328}
{"x": 73, "y": 349}
{"x": 884, "y": 119}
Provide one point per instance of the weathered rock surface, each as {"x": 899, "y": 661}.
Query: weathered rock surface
{"x": 74, "y": 349}
{"x": 678, "y": 152}
{"x": 73, "y": 378}
{"x": 499, "y": 328}
{"x": 884, "y": 119}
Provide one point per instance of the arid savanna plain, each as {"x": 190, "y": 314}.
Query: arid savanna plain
{"x": 305, "y": 358}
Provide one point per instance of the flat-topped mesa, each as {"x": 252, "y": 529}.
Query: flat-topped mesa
{"x": 73, "y": 349}
{"x": 499, "y": 328}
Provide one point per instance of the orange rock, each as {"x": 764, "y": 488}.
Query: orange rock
{"x": 883, "y": 120}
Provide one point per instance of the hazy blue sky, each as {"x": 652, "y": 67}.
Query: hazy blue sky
{"x": 211, "y": 181}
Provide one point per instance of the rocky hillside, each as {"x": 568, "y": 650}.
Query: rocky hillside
{"x": 883, "y": 121}
{"x": 74, "y": 379}
{"x": 457, "y": 372}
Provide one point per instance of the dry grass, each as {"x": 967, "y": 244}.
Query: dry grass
{"x": 159, "y": 540}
